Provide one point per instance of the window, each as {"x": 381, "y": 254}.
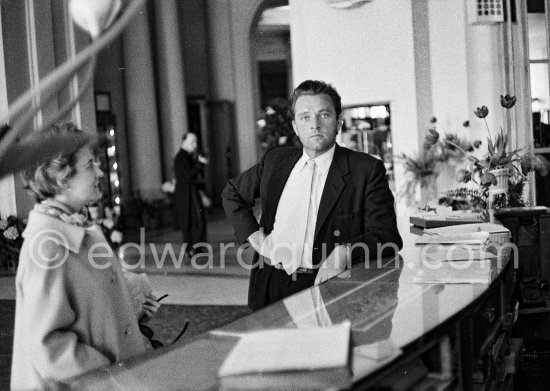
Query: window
{"x": 537, "y": 24}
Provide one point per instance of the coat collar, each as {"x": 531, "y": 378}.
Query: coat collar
{"x": 334, "y": 186}
{"x": 67, "y": 235}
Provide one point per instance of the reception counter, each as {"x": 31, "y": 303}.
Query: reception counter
{"x": 403, "y": 333}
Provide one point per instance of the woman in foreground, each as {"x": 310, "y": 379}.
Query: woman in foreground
{"x": 74, "y": 311}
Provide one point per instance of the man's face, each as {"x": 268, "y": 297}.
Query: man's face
{"x": 315, "y": 123}
{"x": 190, "y": 143}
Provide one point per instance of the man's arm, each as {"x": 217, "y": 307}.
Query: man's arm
{"x": 379, "y": 219}
{"x": 238, "y": 199}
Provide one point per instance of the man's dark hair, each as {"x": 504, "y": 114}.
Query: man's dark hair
{"x": 316, "y": 87}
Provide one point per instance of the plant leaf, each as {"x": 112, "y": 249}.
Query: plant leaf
{"x": 490, "y": 146}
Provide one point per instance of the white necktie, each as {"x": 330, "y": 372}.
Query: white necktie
{"x": 297, "y": 221}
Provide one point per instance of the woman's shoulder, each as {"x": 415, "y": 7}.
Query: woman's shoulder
{"x": 49, "y": 240}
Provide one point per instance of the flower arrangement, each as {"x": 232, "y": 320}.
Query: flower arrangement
{"x": 511, "y": 166}
{"x": 275, "y": 126}
{"x": 424, "y": 168}
{"x": 10, "y": 242}
{"x": 451, "y": 146}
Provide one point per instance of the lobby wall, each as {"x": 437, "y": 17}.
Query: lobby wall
{"x": 423, "y": 57}
{"x": 367, "y": 53}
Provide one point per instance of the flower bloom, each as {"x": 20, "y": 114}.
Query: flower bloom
{"x": 481, "y": 112}
{"x": 261, "y": 123}
{"x": 3, "y": 224}
{"x": 507, "y": 101}
{"x": 116, "y": 236}
{"x": 463, "y": 176}
{"x": 269, "y": 110}
{"x": 11, "y": 233}
{"x": 108, "y": 223}
{"x": 432, "y": 137}
{"x": 526, "y": 166}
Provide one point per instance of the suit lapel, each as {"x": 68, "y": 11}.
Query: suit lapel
{"x": 334, "y": 186}
{"x": 276, "y": 185}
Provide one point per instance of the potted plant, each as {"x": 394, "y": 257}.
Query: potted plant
{"x": 500, "y": 171}
{"x": 275, "y": 126}
{"x": 438, "y": 152}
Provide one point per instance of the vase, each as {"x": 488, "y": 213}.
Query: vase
{"x": 502, "y": 175}
{"x": 498, "y": 194}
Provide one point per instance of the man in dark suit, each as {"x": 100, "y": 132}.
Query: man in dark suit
{"x": 189, "y": 212}
{"x": 323, "y": 206}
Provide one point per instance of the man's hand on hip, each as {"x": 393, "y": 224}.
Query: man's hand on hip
{"x": 257, "y": 239}
{"x": 334, "y": 264}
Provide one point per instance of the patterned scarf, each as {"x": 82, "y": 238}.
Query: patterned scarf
{"x": 62, "y": 212}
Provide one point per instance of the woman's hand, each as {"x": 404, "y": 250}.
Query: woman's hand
{"x": 149, "y": 308}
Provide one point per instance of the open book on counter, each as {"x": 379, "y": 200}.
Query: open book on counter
{"x": 313, "y": 358}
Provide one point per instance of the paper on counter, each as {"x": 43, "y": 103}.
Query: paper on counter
{"x": 468, "y": 228}
{"x": 456, "y": 252}
{"x": 378, "y": 351}
{"x": 268, "y": 351}
{"x": 464, "y": 238}
{"x": 456, "y": 273}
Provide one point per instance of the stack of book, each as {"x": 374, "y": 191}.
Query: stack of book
{"x": 455, "y": 272}
{"x": 459, "y": 254}
{"x": 432, "y": 220}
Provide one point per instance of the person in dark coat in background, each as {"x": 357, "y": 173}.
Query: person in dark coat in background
{"x": 190, "y": 215}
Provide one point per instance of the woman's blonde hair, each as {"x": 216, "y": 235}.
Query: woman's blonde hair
{"x": 46, "y": 179}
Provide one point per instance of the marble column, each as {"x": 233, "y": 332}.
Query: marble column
{"x": 170, "y": 73}
{"x": 141, "y": 107}
{"x": 7, "y": 186}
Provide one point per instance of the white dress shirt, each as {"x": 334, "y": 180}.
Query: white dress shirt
{"x": 293, "y": 190}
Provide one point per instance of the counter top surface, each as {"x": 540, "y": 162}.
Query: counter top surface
{"x": 381, "y": 301}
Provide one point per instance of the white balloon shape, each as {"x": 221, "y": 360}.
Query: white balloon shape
{"x": 94, "y": 16}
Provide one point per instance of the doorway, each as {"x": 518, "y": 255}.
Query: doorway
{"x": 271, "y": 60}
